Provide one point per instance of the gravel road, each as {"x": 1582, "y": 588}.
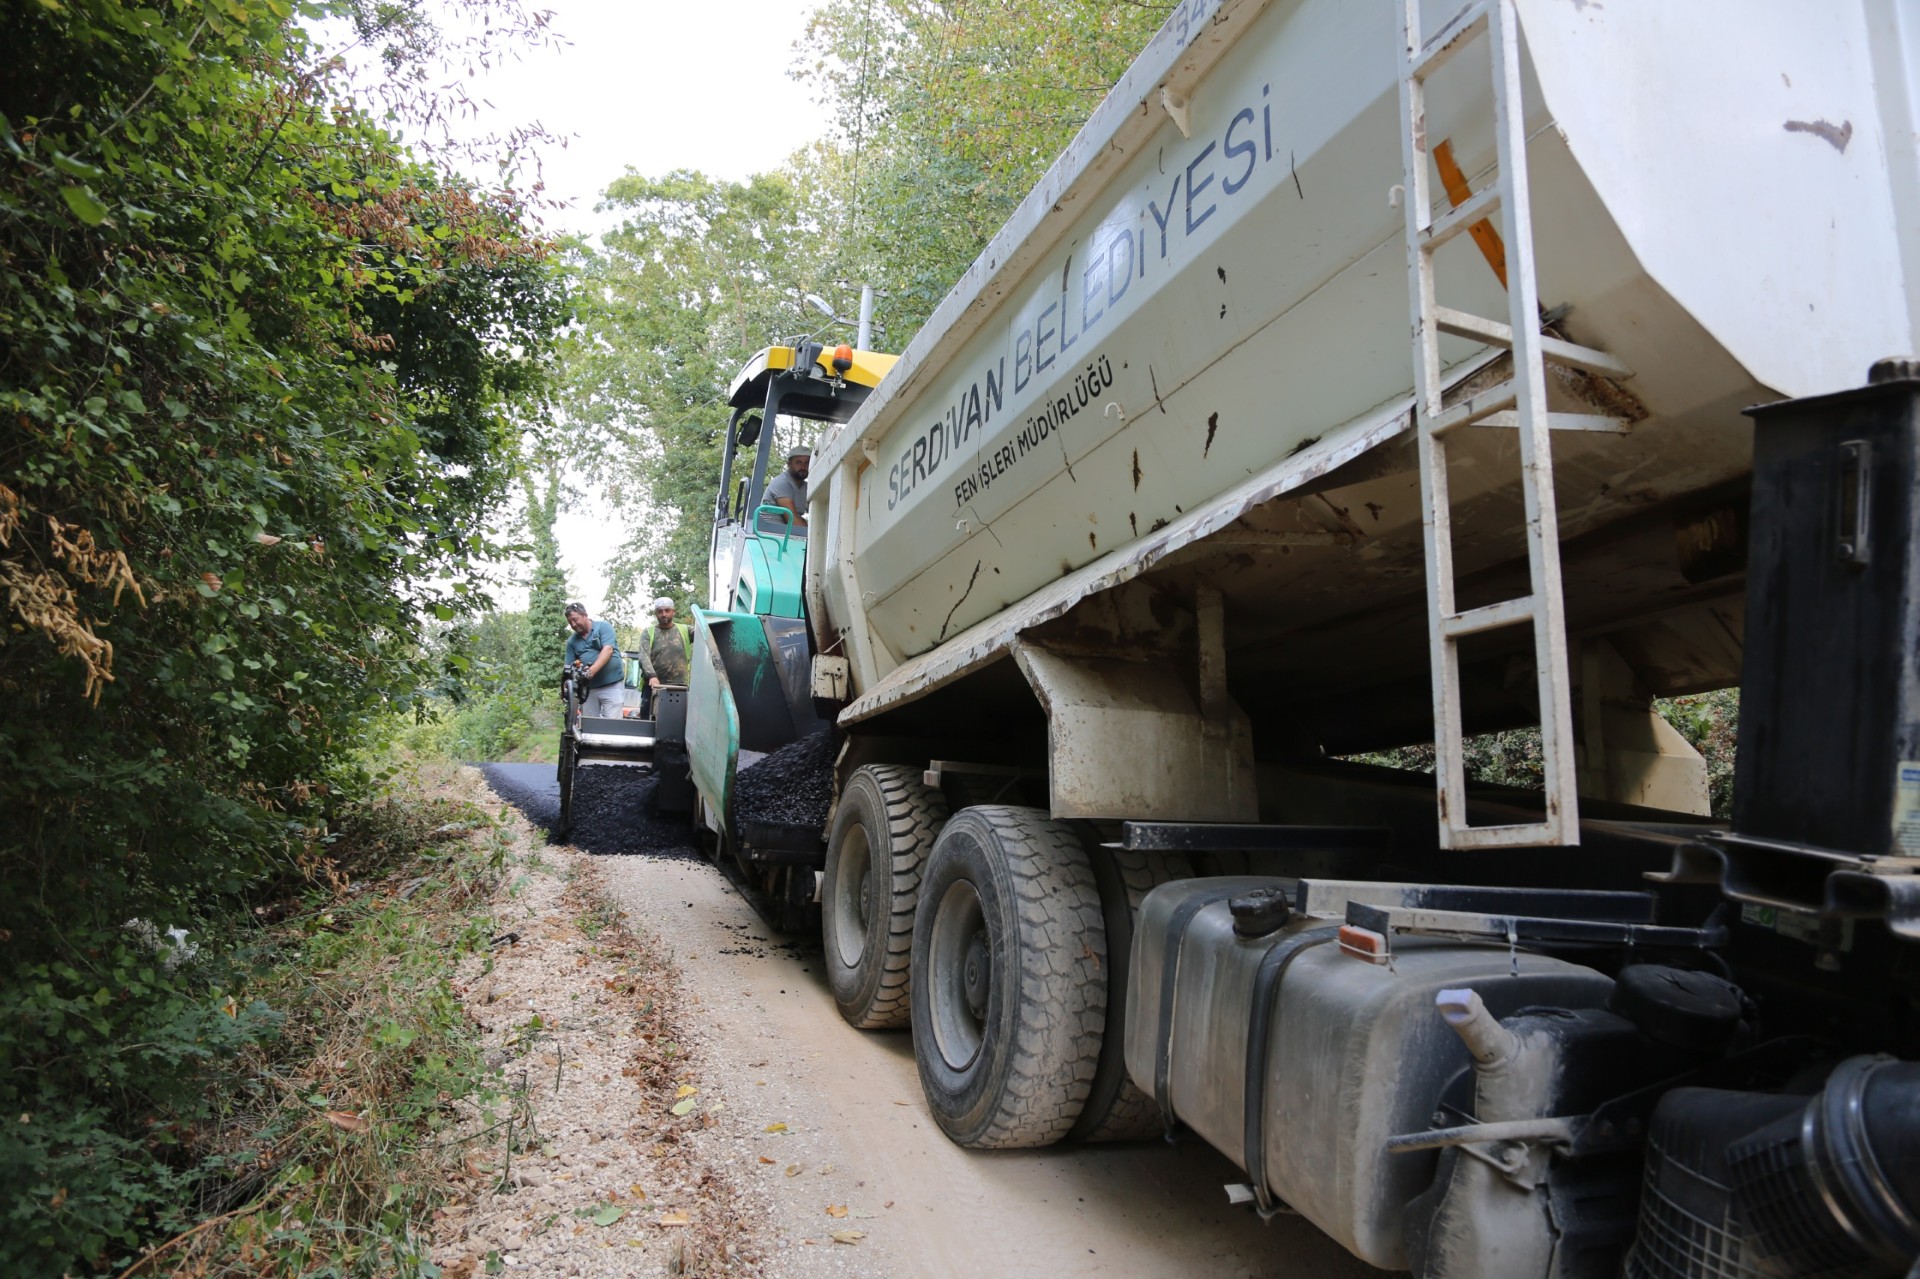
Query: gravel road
{"x": 858, "y": 1133}
{"x": 824, "y": 1127}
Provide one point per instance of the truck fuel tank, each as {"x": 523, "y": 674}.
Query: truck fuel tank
{"x": 1299, "y": 1059}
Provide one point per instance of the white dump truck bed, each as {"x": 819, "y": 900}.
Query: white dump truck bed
{"x": 1192, "y": 339}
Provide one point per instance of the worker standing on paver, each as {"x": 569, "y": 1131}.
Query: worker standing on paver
{"x": 592, "y": 650}
{"x": 788, "y": 489}
{"x": 665, "y": 648}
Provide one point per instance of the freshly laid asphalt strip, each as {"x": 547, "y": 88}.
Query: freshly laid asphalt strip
{"x": 612, "y": 810}
{"x": 534, "y": 789}
{"x": 793, "y": 784}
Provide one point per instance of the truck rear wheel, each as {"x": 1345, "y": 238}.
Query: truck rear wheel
{"x": 884, "y": 829}
{"x": 1010, "y": 987}
{"x": 1117, "y": 1109}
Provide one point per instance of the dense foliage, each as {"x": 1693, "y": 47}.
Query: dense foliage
{"x": 1710, "y": 722}
{"x": 544, "y": 630}
{"x": 499, "y": 700}
{"x": 259, "y": 366}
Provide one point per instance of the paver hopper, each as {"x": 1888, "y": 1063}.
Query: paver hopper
{"x": 648, "y": 734}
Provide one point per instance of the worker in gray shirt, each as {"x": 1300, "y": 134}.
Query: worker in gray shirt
{"x": 593, "y": 651}
{"x": 789, "y": 488}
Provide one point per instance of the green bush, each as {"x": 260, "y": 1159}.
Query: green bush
{"x": 263, "y": 371}
{"x": 332, "y": 1140}
{"x": 103, "y": 1072}
{"x": 491, "y": 726}
{"x": 486, "y": 706}
{"x": 1709, "y": 721}
{"x": 1711, "y": 724}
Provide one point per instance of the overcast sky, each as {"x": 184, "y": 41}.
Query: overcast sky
{"x": 659, "y": 87}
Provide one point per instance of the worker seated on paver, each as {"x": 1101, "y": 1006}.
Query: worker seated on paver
{"x": 593, "y": 652}
{"x": 666, "y": 648}
{"x": 788, "y": 490}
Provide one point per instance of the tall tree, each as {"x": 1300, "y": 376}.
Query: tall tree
{"x": 950, "y": 112}
{"x": 546, "y": 630}
{"x": 947, "y": 113}
{"x": 699, "y": 274}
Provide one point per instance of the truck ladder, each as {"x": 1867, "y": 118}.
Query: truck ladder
{"x": 1520, "y": 402}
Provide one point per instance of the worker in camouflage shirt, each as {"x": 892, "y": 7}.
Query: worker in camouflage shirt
{"x": 665, "y": 648}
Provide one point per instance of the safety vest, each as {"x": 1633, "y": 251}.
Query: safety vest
{"x": 686, "y": 637}
{"x": 650, "y": 636}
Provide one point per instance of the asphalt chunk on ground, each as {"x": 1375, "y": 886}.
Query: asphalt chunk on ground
{"x": 792, "y": 785}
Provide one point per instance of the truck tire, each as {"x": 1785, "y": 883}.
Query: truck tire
{"x": 1010, "y": 987}
{"x": 886, "y": 824}
{"x": 1117, "y": 1109}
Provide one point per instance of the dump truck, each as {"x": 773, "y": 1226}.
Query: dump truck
{"x": 1370, "y": 376}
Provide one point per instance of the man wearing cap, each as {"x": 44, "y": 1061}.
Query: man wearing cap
{"x": 789, "y": 488}
{"x": 664, "y": 647}
{"x": 593, "y": 650}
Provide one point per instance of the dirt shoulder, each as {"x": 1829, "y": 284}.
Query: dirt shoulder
{"x": 585, "y": 1168}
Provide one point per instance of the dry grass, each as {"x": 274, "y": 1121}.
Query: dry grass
{"x": 341, "y": 1136}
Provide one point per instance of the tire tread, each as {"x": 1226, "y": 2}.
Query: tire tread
{"x": 1061, "y": 1014}
{"x": 914, "y": 814}
{"x": 1133, "y": 1114}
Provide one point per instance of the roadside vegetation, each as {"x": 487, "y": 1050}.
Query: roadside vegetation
{"x": 491, "y": 708}
{"x": 497, "y": 697}
{"x": 1709, "y": 721}
{"x": 265, "y": 369}
{"x": 334, "y": 1125}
